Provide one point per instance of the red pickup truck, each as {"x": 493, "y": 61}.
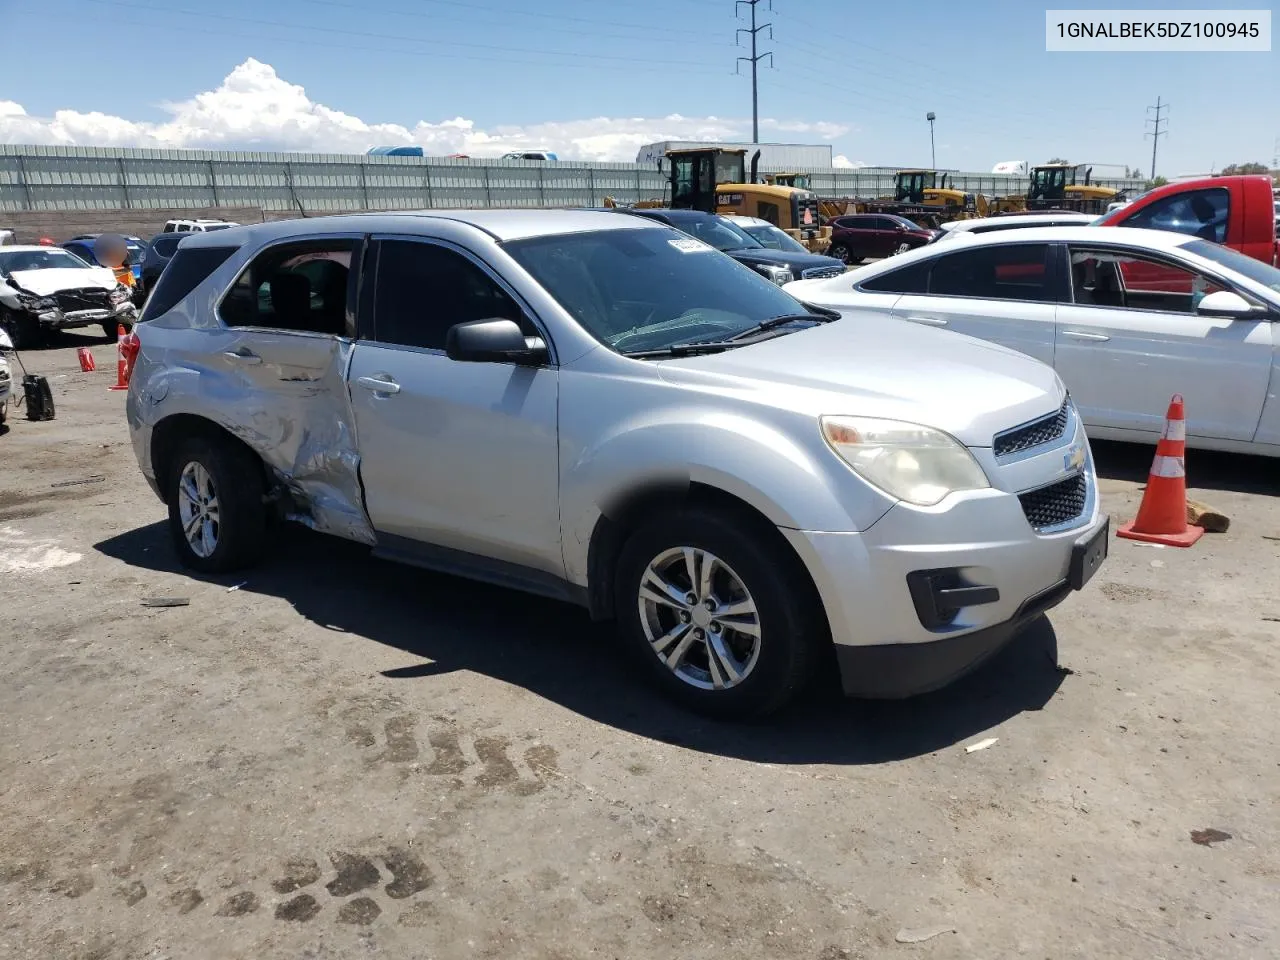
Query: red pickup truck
{"x": 1238, "y": 212}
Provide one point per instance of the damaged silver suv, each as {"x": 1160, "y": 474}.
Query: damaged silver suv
{"x": 605, "y": 410}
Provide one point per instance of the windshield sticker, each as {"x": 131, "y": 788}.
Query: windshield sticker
{"x": 689, "y": 245}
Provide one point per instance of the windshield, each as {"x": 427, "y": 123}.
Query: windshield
{"x": 48, "y": 259}
{"x": 775, "y": 239}
{"x": 652, "y": 288}
{"x": 1255, "y": 270}
{"x": 720, "y": 233}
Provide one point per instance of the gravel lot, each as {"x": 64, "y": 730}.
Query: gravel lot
{"x": 334, "y": 756}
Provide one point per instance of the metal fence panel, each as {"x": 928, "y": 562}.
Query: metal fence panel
{"x": 88, "y": 178}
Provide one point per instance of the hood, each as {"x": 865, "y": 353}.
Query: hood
{"x": 45, "y": 282}
{"x": 784, "y": 258}
{"x": 869, "y": 364}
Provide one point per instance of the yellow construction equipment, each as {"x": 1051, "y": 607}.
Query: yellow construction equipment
{"x": 1066, "y": 186}
{"x": 714, "y": 180}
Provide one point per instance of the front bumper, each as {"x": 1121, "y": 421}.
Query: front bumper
{"x": 926, "y": 594}
{"x": 58, "y": 320}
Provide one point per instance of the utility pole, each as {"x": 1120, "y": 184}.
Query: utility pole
{"x": 754, "y": 59}
{"x": 933, "y": 154}
{"x": 1156, "y": 133}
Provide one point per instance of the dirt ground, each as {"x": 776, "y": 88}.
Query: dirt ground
{"x": 332, "y": 756}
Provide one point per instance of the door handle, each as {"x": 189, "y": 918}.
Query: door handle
{"x": 931, "y": 321}
{"x": 1082, "y": 335}
{"x": 379, "y": 384}
{"x": 243, "y": 355}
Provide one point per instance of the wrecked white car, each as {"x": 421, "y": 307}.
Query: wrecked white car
{"x": 606, "y": 410}
{"x": 43, "y": 289}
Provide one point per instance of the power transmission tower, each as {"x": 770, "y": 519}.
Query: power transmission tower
{"x": 1156, "y": 133}
{"x": 754, "y": 59}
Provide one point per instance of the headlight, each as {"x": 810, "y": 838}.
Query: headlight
{"x": 906, "y": 460}
{"x": 119, "y": 295}
{"x": 778, "y": 275}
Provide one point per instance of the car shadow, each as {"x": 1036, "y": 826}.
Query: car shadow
{"x": 1206, "y": 469}
{"x": 553, "y": 650}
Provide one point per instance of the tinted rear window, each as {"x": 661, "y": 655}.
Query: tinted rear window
{"x": 909, "y": 279}
{"x": 186, "y": 271}
{"x": 166, "y": 245}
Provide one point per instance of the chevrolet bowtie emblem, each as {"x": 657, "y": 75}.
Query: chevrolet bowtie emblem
{"x": 1073, "y": 459}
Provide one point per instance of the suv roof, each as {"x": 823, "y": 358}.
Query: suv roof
{"x": 500, "y": 224}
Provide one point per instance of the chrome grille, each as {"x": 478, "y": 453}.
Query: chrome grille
{"x": 85, "y": 298}
{"x": 1057, "y": 503}
{"x": 1033, "y": 434}
{"x": 820, "y": 273}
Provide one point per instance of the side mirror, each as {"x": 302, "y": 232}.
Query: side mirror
{"x": 1224, "y": 303}
{"x": 494, "y": 341}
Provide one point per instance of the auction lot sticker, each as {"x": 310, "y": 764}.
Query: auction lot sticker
{"x": 1160, "y": 31}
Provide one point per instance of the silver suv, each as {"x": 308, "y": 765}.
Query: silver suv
{"x": 608, "y": 411}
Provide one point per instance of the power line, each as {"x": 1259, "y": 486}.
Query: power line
{"x": 403, "y": 39}
{"x": 754, "y": 59}
{"x": 1156, "y": 133}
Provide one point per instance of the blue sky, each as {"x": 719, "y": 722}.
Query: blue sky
{"x": 865, "y": 72}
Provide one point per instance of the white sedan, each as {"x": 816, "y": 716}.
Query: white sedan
{"x": 1127, "y": 317}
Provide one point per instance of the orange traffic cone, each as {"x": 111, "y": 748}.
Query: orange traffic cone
{"x": 1162, "y": 515}
{"x": 122, "y": 363}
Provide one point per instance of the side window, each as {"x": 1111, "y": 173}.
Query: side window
{"x": 909, "y": 279}
{"x": 1007, "y": 272}
{"x": 1107, "y": 278}
{"x": 1198, "y": 213}
{"x": 767, "y": 211}
{"x": 423, "y": 289}
{"x": 186, "y": 271}
{"x": 293, "y": 286}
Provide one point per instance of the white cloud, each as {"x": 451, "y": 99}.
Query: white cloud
{"x": 841, "y": 162}
{"x": 254, "y": 108}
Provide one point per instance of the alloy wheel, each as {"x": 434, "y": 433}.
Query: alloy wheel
{"x": 699, "y": 618}
{"x": 198, "y": 509}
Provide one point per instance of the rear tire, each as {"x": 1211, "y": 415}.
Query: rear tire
{"x": 217, "y": 509}
{"x": 842, "y": 253}
{"x": 739, "y": 642}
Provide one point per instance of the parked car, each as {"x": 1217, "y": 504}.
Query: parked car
{"x": 47, "y": 288}
{"x": 159, "y": 251}
{"x": 608, "y": 411}
{"x": 197, "y": 226}
{"x": 767, "y": 234}
{"x": 1127, "y": 317}
{"x": 1015, "y": 221}
{"x": 780, "y": 266}
{"x": 1238, "y": 211}
{"x": 530, "y": 155}
{"x": 862, "y": 236}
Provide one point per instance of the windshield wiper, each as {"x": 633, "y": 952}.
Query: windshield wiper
{"x": 682, "y": 350}
{"x": 818, "y": 315}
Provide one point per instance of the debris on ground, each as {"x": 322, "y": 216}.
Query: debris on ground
{"x": 166, "y": 601}
{"x": 922, "y": 934}
{"x": 77, "y": 483}
{"x": 1209, "y": 836}
{"x": 1203, "y": 515}
{"x": 980, "y": 745}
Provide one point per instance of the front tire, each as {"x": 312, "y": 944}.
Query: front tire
{"x": 217, "y": 508}
{"x": 724, "y": 623}
{"x": 901, "y": 248}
